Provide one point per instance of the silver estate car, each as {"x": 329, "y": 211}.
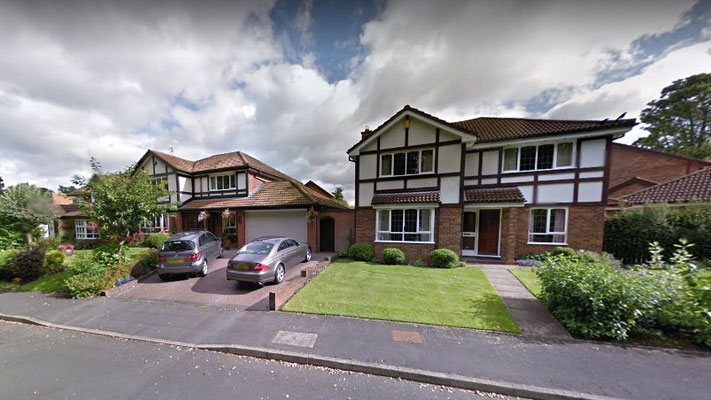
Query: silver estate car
{"x": 266, "y": 259}
{"x": 188, "y": 252}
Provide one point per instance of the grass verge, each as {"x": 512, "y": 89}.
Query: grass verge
{"x": 529, "y": 279}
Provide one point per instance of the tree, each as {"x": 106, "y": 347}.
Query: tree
{"x": 2, "y": 184}
{"x": 24, "y": 207}
{"x": 680, "y": 120}
{"x": 67, "y": 189}
{"x": 338, "y": 196}
{"x": 122, "y": 201}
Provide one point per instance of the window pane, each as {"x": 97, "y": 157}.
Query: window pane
{"x": 545, "y": 156}
{"x": 425, "y": 220}
{"x": 399, "y": 164}
{"x": 557, "y": 223}
{"x": 469, "y": 243}
{"x": 565, "y": 155}
{"x": 232, "y": 181}
{"x": 386, "y": 164}
{"x": 469, "y": 222}
{"x": 396, "y": 220}
{"x": 510, "y": 159}
{"x": 425, "y": 237}
{"x": 427, "y": 161}
{"x": 528, "y": 158}
{"x": 396, "y": 237}
{"x": 538, "y": 221}
{"x": 413, "y": 162}
{"x": 384, "y": 220}
{"x": 213, "y": 183}
{"x": 411, "y": 221}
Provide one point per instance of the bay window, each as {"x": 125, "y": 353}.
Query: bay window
{"x": 222, "y": 182}
{"x": 411, "y": 162}
{"x": 548, "y": 225}
{"x": 405, "y": 225}
{"x": 85, "y": 230}
{"x": 540, "y": 157}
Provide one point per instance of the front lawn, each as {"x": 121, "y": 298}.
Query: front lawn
{"x": 458, "y": 297}
{"x": 529, "y": 279}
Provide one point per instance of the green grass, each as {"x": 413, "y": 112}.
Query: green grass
{"x": 529, "y": 279}
{"x": 8, "y": 286}
{"x": 458, "y": 297}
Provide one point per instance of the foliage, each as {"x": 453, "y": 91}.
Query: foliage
{"x": 563, "y": 251}
{"x": 361, "y": 251}
{"x": 444, "y": 258}
{"x": 145, "y": 262}
{"x": 23, "y": 207}
{"x": 393, "y": 256}
{"x": 2, "y": 185}
{"x": 27, "y": 264}
{"x": 94, "y": 274}
{"x": 338, "y": 196}
{"x": 53, "y": 261}
{"x": 9, "y": 239}
{"x": 156, "y": 240}
{"x": 122, "y": 202}
{"x": 532, "y": 256}
{"x": 629, "y": 232}
{"x": 680, "y": 120}
{"x": 6, "y": 257}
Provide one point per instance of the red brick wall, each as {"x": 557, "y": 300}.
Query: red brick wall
{"x": 312, "y": 234}
{"x": 628, "y": 162}
{"x": 448, "y": 222}
{"x": 627, "y": 189}
{"x": 253, "y": 182}
{"x": 344, "y": 227}
{"x": 241, "y": 232}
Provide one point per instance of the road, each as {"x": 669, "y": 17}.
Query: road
{"x": 44, "y": 363}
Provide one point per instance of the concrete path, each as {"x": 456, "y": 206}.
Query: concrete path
{"x": 531, "y": 315}
{"x": 570, "y": 365}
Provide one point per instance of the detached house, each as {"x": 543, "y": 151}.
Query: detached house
{"x": 489, "y": 188}
{"x": 245, "y": 198}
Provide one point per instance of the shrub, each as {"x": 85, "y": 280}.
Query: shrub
{"x": 443, "y": 258}
{"x": 563, "y": 251}
{"x": 155, "y": 240}
{"x": 53, "y": 261}
{"x": 361, "y": 252}
{"x": 87, "y": 245}
{"x": 85, "y": 284}
{"x": 145, "y": 262}
{"x": 393, "y": 256}
{"x": 10, "y": 239}
{"x": 27, "y": 264}
{"x": 6, "y": 257}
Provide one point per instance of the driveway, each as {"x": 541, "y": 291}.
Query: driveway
{"x": 211, "y": 289}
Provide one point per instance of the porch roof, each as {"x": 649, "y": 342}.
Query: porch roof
{"x": 405, "y": 198}
{"x": 494, "y": 195}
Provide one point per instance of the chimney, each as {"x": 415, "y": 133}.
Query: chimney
{"x": 365, "y": 133}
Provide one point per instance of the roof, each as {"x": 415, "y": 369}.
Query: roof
{"x": 494, "y": 195}
{"x": 235, "y": 159}
{"x": 406, "y": 198}
{"x": 318, "y": 189}
{"x": 695, "y": 186}
{"x": 661, "y": 153}
{"x": 491, "y": 129}
{"x": 288, "y": 193}
{"x": 68, "y": 211}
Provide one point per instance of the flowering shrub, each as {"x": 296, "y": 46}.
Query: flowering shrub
{"x": 203, "y": 215}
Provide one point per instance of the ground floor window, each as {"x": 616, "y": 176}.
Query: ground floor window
{"x": 86, "y": 230}
{"x": 230, "y": 224}
{"x": 548, "y": 225}
{"x": 159, "y": 223}
{"x": 405, "y": 225}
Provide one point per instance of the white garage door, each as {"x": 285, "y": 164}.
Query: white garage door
{"x": 291, "y": 223}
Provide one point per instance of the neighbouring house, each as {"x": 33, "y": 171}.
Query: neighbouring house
{"x": 245, "y": 198}
{"x": 70, "y": 223}
{"x": 688, "y": 189}
{"x": 633, "y": 168}
{"x": 490, "y": 188}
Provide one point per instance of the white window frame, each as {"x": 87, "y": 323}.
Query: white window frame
{"x": 548, "y": 225}
{"x": 392, "y": 162}
{"x": 230, "y": 224}
{"x": 378, "y": 230}
{"x": 163, "y": 224}
{"x": 537, "y": 145}
{"x": 222, "y": 178}
{"x": 81, "y": 230}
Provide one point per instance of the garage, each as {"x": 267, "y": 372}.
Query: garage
{"x": 291, "y": 223}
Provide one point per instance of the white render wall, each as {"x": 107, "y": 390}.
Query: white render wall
{"x": 449, "y": 158}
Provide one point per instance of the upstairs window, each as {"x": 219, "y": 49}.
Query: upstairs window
{"x": 222, "y": 182}
{"x": 412, "y": 162}
{"x": 536, "y": 158}
{"x": 163, "y": 181}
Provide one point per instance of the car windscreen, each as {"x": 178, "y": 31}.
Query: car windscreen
{"x": 178, "y": 245}
{"x": 261, "y": 248}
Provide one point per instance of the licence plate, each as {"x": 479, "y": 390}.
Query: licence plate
{"x": 175, "y": 260}
{"x": 243, "y": 267}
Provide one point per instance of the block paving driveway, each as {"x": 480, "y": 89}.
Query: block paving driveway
{"x": 212, "y": 289}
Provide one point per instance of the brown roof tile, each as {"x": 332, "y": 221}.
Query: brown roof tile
{"x": 695, "y": 186}
{"x": 235, "y": 159}
{"x": 406, "y": 198}
{"x": 494, "y": 195}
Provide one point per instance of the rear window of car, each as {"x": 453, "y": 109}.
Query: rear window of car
{"x": 178, "y": 245}
{"x": 260, "y": 248}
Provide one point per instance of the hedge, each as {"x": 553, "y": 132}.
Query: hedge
{"x": 628, "y": 233}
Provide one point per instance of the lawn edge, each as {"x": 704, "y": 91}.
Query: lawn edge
{"x": 524, "y": 284}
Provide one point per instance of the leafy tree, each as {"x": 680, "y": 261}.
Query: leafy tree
{"x": 67, "y": 189}
{"x": 338, "y": 196}
{"x": 23, "y": 207}
{"x": 122, "y": 201}
{"x": 2, "y": 185}
{"x": 680, "y": 120}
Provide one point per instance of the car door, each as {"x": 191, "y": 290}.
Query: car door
{"x": 297, "y": 255}
{"x": 215, "y": 243}
{"x": 283, "y": 253}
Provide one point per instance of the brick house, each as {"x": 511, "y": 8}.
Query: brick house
{"x": 487, "y": 188}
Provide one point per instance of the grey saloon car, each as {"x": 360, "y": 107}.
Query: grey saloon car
{"x": 266, "y": 259}
{"x": 189, "y": 252}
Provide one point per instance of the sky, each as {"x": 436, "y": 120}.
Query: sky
{"x": 293, "y": 83}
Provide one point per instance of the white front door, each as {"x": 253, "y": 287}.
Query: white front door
{"x": 469, "y": 234}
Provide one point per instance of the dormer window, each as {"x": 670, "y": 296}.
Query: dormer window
{"x": 412, "y": 162}
{"x": 222, "y": 182}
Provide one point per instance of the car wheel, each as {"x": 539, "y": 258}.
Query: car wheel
{"x": 308, "y": 255}
{"x": 279, "y": 274}
{"x": 203, "y": 271}
{"x": 221, "y": 250}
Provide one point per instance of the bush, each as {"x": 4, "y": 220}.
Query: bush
{"x": 6, "y": 257}
{"x": 92, "y": 275}
{"x": 444, "y": 258}
{"x": 27, "y": 264}
{"x": 393, "y": 256}
{"x": 145, "y": 262}
{"x": 10, "y": 239}
{"x": 53, "y": 261}
{"x": 155, "y": 240}
{"x": 563, "y": 251}
{"x": 361, "y": 252}
{"x": 86, "y": 284}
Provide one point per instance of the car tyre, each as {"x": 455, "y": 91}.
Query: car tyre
{"x": 221, "y": 250}
{"x": 279, "y": 274}
{"x": 307, "y": 258}
{"x": 203, "y": 271}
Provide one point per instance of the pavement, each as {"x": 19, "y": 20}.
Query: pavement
{"x": 35, "y": 364}
{"x": 213, "y": 288}
{"x": 546, "y": 368}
